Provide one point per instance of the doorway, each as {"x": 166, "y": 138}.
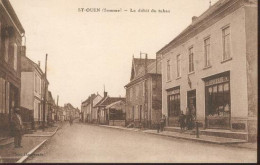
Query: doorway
{"x": 191, "y": 102}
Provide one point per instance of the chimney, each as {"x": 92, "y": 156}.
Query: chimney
{"x": 39, "y": 63}
{"x": 194, "y": 18}
{"x": 146, "y": 63}
{"x": 105, "y": 94}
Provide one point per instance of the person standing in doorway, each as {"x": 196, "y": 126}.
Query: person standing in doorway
{"x": 182, "y": 121}
{"x": 17, "y": 128}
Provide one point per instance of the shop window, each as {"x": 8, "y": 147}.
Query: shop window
{"x": 218, "y": 99}
{"x": 174, "y": 103}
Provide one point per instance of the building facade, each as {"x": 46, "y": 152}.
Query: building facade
{"x": 210, "y": 69}
{"x": 143, "y": 93}
{"x": 100, "y": 108}
{"x": 32, "y": 89}
{"x": 11, "y": 32}
{"x": 87, "y": 108}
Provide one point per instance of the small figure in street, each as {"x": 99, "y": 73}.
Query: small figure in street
{"x": 17, "y": 128}
{"x": 71, "y": 120}
{"x": 158, "y": 127}
{"x": 189, "y": 120}
{"x": 163, "y": 121}
{"x": 182, "y": 121}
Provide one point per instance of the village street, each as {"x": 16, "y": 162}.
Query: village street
{"x": 90, "y": 143}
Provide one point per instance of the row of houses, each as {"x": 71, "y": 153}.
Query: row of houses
{"x": 209, "y": 70}
{"x": 103, "y": 110}
{"x": 22, "y": 82}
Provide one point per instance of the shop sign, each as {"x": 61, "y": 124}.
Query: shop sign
{"x": 174, "y": 91}
{"x": 217, "y": 81}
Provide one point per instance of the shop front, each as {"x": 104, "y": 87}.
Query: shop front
{"x": 217, "y": 101}
{"x": 173, "y": 103}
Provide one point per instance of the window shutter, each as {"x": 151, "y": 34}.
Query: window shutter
{"x": 15, "y": 56}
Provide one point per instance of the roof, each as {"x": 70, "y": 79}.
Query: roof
{"x": 139, "y": 66}
{"x": 199, "y": 20}
{"x": 108, "y": 100}
{"x": 7, "y": 5}
{"x": 138, "y": 70}
{"x": 115, "y": 103}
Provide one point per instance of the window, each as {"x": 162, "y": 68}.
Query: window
{"x": 2, "y": 95}
{"x": 143, "y": 88}
{"x": 6, "y": 44}
{"x": 218, "y": 97}
{"x": 136, "y": 90}
{"x": 207, "y": 52}
{"x": 168, "y": 70}
{"x": 174, "y": 102}
{"x": 191, "y": 62}
{"x": 15, "y": 56}
{"x": 226, "y": 43}
{"x": 130, "y": 93}
{"x": 179, "y": 65}
{"x": 136, "y": 113}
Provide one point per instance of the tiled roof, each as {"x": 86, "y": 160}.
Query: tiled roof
{"x": 109, "y": 100}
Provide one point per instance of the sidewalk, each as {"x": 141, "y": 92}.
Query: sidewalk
{"x": 30, "y": 142}
{"x": 202, "y": 138}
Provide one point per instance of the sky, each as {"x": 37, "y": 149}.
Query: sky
{"x": 87, "y": 50}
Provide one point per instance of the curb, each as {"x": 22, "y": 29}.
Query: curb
{"x": 190, "y": 139}
{"x": 31, "y": 152}
{"x": 136, "y": 130}
{"x": 21, "y": 160}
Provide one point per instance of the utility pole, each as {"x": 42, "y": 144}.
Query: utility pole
{"x": 44, "y": 97}
{"x": 57, "y": 108}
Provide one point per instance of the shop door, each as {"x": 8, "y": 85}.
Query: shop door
{"x": 191, "y": 102}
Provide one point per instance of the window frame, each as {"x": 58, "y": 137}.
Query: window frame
{"x": 178, "y": 65}
{"x": 224, "y": 36}
{"x": 207, "y": 51}
{"x": 191, "y": 59}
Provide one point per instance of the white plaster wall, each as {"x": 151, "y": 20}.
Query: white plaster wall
{"x": 236, "y": 66}
{"x": 27, "y": 86}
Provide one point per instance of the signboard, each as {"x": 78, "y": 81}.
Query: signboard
{"x": 217, "y": 80}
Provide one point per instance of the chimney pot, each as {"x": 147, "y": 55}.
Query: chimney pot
{"x": 194, "y": 18}
{"x": 105, "y": 94}
{"x": 39, "y": 63}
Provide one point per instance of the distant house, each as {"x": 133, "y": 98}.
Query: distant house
{"x": 116, "y": 113}
{"x": 100, "y": 108}
{"x": 144, "y": 93}
{"x": 87, "y": 107}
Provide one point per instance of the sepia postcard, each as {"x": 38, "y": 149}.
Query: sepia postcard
{"x": 133, "y": 81}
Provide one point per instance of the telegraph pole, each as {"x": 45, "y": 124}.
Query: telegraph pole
{"x": 57, "y": 108}
{"x": 44, "y": 97}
